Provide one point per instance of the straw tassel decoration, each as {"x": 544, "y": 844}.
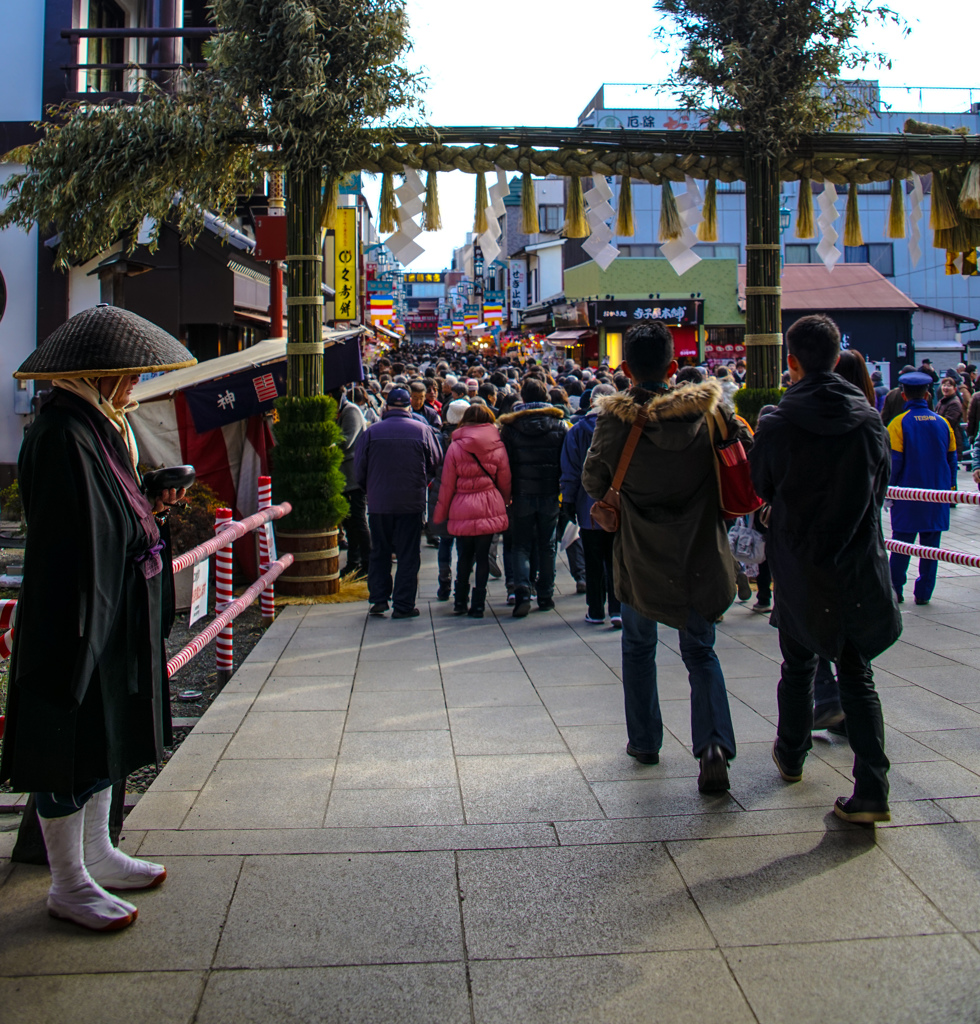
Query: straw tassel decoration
{"x": 708, "y": 228}
{"x": 328, "y": 204}
{"x": 852, "y": 218}
{"x": 529, "y": 206}
{"x": 670, "y": 219}
{"x": 482, "y": 202}
{"x": 970, "y": 192}
{"x": 625, "y": 226}
{"x": 805, "y": 227}
{"x": 386, "y": 205}
{"x": 896, "y": 210}
{"x": 576, "y": 226}
{"x": 431, "y": 217}
{"x": 942, "y": 215}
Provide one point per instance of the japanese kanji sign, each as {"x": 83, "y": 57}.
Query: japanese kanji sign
{"x": 236, "y": 396}
{"x": 345, "y": 264}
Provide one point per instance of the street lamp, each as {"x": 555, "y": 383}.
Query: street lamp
{"x": 784, "y": 218}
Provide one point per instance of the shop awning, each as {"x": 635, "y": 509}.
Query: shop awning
{"x": 387, "y": 333}
{"x": 568, "y": 338}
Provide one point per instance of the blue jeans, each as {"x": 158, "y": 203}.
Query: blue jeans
{"x": 711, "y": 719}
{"x": 534, "y": 525}
{"x": 898, "y": 564}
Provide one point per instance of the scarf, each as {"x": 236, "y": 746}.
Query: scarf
{"x": 87, "y": 389}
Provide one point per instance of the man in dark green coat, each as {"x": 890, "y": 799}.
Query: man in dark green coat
{"x": 671, "y": 559}
{"x": 88, "y": 700}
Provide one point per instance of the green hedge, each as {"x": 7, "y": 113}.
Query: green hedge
{"x": 306, "y": 463}
{"x": 748, "y": 401}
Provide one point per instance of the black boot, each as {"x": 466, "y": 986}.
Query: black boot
{"x": 445, "y": 588}
{"x": 461, "y": 598}
{"x": 478, "y": 603}
{"x": 522, "y": 602}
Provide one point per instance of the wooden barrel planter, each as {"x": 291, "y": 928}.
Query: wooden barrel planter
{"x": 315, "y": 571}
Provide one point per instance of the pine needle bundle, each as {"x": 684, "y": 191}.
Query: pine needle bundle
{"x": 708, "y": 228}
{"x": 970, "y": 192}
{"x": 529, "y": 206}
{"x": 670, "y": 218}
{"x": 942, "y": 214}
{"x": 386, "y": 205}
{"x": 852, "y": 219}
{"x": 431, "y": 218}
{"x": 805, "y": 227}
{"x": 625, "y": 226}
{"x": 482, "y": 202}
{"x": 896, "y": 210}
{"x": 576, "y": 226}
{"x": 328, "y": 204}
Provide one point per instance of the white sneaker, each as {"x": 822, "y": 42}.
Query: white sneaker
{"x": 110, "y": 867}
{"x": 617, "y": 621}
{"x": 595, "y": 622}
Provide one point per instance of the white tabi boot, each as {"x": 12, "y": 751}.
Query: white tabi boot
{"x": 110, "y": 867}
{"x": 74, "y": 896}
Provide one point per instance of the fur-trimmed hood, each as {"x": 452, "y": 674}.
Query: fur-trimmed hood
{"x": 687, "y": 402}
{"x": 535, "y": 418}
{"x": 537, "y": 408}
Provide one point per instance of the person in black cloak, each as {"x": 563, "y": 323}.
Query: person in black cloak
{"x": 88, "y": 698}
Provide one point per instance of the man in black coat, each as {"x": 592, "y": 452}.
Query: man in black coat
{"x": 534, "y": 435}
{"x": 822, "y": 461}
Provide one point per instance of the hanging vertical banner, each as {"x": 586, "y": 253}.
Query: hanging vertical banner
{"x": 345, "y": 264}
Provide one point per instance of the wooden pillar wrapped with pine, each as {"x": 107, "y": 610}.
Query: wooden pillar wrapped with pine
{"x": 763, "y": 308}
{"x": 304, "y": 262}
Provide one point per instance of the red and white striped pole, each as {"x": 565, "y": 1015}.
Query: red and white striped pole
{"x": 222, "y": 598}
{"x": 267, "y": 604}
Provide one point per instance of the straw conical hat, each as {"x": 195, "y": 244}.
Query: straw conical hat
{"x": 103, "y": 341}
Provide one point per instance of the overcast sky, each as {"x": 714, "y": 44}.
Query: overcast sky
{"x": 527, "y": 62}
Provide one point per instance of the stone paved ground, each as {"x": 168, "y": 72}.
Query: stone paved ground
{"x": 435, "y": 820}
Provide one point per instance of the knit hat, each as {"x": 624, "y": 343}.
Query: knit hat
{"x": 104, "y": 341}
{"x": 472, "y": 385}
{"x": 456, "y": 409}
{"x": 398, "y": 398}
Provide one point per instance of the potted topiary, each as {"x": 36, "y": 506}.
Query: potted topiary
{"x": 306, "y": 473}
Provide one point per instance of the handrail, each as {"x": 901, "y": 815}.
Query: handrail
{"x": 941, "y": 497}
{"x": 138, "y": 33}
{"x": 229, "y": 534}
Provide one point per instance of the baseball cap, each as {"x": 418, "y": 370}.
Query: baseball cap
{"x": 399, "y": 398}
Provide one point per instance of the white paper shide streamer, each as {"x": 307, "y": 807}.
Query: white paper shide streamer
{"x": 915, "y": 219}
{"x": 679, "y": 252}
{"x": 490, "y": 239}
{"x": 827, "y": 248}
{"x": 598, "y": 211}
{"x": 402, "y": 244}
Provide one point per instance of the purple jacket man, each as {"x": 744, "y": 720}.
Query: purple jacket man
{"x": 394, "y": 460}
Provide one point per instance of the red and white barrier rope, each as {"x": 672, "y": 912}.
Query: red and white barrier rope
{"x": 267, "y": 605}
{"x": 239, "y": 529}
{"x": 182, "y": 657}
{"x": 6, "y": 644}
{"x": 936, "y": 554}
{"x": 7, "y": 609}
{"x": 942, "y": 497}
{"x": 223, "y": 573}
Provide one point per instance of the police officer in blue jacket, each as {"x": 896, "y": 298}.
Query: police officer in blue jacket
{"x": 923, "y": 455}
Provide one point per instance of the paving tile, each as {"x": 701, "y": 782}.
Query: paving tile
{"x": 955, "y": 682}
{"x": 623, "y": 988}
{"x": 653, "y": 796}
{"x": 431, "y": 805}
{"x": 742, "y": 663}
{"x": 903, "y": 656}
{"x": 225, "y": 713}
{"x": 944, "y": 862}
{"x": 192, "y": 762}
{"x": 461, "y": 662}
{"x": 283, "y": 734}
{"x": 311, "y": 911}
{"x": 756, "y": 784}
{"x": 959, "y": 745}
{"x": 401, "y": 652}
{"x": 165, "y": 809}
{"x": 901, "y": 749}
{"x": 416, "y": 994}
{"x": 407, "y": 759}
{"x": 507, "y": 730}
{"x": 903, "y": 980}
{"x": 749, "y": 726}
{"x": 524, "y": 787}
{"x": 382, "y": 676}
{"x": 268, "y": 649}
{"x": 932, "y": 779}
{"x": 397, "y": 711}
{"x": 911, "y": 709}
{"x": 305, "y": 693}
{"x": 305, "y": 663}
{"x": 558, "y": 671}
{"x": 179, "y": 924}
{"x": 803, "y": 888}
{"x": 264, "y": 793}
{"x": 964, "y": 809}
{"x": 334, "y": 641}
{"x": 164, "y": 997}
{"x": 575, "y": 901}
{"x": 600, "y": 751}
{"x": 490, "y": 689}
{"x": 585, "y": 705}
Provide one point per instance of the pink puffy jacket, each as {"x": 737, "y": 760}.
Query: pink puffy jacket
{"x": 473, "y": 503}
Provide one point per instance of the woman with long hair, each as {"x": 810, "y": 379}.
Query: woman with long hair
{"x": 852, "y": 367}
{"x": 473, "y": 497}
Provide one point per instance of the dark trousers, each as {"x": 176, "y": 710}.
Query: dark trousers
{"x": 535, "y": 521}
{"x": 764, "y": 580}
{"x": 598, "y": 548}
{"x": 401, "y": 536}
{"x": 445, "y": 558}
{"x": 356, "y": 530}
{"x": 865, "y": 728}
{"x": 898, "y": 564}
{"x": 470, "y": 551}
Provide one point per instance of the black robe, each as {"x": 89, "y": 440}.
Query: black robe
{"x": 88, "y": 696}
